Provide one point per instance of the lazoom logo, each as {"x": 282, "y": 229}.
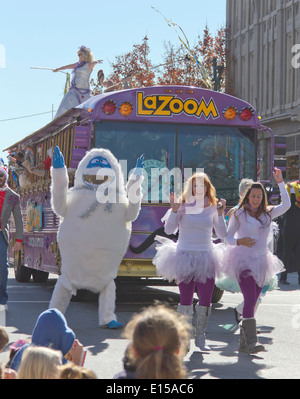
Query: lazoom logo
{"x": 168, "y": 105}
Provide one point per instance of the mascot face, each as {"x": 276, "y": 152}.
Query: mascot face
{"x": 103, "y": 170}
{"x": 99, "y": 169}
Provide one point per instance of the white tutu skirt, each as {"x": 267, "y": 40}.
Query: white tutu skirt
{"x": 181, "y": 266}
{"x": 263, "y": 267}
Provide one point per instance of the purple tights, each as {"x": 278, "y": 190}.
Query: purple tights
{"x": 205, "y": 292}
{"x": 251, "y": 292}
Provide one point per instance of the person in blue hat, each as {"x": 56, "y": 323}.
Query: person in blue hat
{"x": 51, "y": 330}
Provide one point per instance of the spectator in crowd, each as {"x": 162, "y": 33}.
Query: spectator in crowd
{"x": 5, "y": 372}
{"x": 291, "y": 234}
{"x": 51, "y": 330}
{"x": 71, "y": 371}
{"x": 3, "y": 338}
{"x": 39, "y": 363}
{"x": 159, "y": 338}
{"x": 9, "y": 205}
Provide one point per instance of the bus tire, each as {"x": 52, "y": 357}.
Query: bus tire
{"x": 217, "y": 295}
{"x": 39, "y": 276}
{"x": 22, "y": 273}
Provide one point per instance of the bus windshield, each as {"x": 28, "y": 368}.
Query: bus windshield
{"x": 227, "y": 154}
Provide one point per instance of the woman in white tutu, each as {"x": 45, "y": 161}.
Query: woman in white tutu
{"x": 248, "y": 259}
{"x": 194, "y": 260}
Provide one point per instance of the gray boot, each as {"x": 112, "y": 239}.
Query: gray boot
{"x": 188, "y": 311}
{"x": 201, "y": 321}
{"x": 248, "y": 337}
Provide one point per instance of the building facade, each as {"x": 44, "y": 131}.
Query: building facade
{"x": 264, "y": 69}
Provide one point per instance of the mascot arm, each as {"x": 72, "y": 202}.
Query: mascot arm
{"x": 134, "y": 190}
{"x": 59, "y": 189}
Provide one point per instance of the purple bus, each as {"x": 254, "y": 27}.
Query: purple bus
{"x": 173, "y": 126}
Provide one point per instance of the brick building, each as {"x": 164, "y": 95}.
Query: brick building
{"x": 264, "y": 69}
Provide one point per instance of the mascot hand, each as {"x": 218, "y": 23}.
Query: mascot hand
{"x": 140, "y": 162}
{"x": 139, "y": 166}
{"x": 58, "y": 159}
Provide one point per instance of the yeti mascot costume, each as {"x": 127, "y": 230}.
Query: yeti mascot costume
{"x": 95, "y": 227}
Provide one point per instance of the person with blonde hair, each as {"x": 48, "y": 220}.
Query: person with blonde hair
{"x": 80, "y": 84}
{"x": 39, "y": 363}
{"x": 194, "y": 260}
{"x": 243, "y": 188}
{"x": 159, "y": 338}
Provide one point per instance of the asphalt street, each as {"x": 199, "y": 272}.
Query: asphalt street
{"x": 278, "y": 320}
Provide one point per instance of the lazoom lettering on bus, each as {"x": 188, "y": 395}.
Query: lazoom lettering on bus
{"x": 168, "y": 105}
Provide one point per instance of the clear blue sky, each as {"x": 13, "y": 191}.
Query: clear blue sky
{"x": 48, "y": 34}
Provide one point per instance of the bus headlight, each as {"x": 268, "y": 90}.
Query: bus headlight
{"x": 125, "y": 108}
{"x": 230, "y": 113}
{"x": 246, "y": 114}
{"x": 109, "y": 107}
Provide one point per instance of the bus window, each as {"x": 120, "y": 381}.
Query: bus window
{"x": 127, "y": 141}
{"x": 227, "y": 155}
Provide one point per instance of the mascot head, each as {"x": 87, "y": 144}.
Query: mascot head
{"x": 99, "y": 169}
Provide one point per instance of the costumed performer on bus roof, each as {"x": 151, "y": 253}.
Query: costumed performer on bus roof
{"x": 95, "y": 228}
{"x": 80, "y": 82}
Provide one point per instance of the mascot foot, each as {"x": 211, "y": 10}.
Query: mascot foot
{"x": 114, "y": 324}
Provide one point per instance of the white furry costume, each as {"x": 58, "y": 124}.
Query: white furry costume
{"x": 93, "y": 234}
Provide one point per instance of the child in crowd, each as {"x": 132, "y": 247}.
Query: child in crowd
{"x": 3, "y": 338}
{"x": 39, "y": 363}
{"x": 5, "y": 372}
{"x": 71, "y": 371}
{"x": 3, "y": 342}
{"x": 159, "y": 341}
{"x": 51, "y": 330}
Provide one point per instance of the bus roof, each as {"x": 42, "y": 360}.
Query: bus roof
{"x": 165, "y": 104}
{"x": 53, "y": 126}
{"x": 171, "y": 104}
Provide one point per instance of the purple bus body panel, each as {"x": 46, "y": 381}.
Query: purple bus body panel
{"x": 149, "y": 221}
{"x": 149, "y": 218}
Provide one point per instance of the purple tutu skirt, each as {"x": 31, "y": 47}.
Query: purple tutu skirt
{"x": 182, "y": 266}
{"x": 263, "y": 267}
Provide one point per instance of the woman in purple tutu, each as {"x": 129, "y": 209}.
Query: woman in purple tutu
{"x": 194, "y": 259}
{"x": 247, "y": 258}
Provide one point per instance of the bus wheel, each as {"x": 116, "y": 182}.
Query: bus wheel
{"x": 22, "y": 273}
{"x": 39, "y": 276}
{"x": 217, "y": 295}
